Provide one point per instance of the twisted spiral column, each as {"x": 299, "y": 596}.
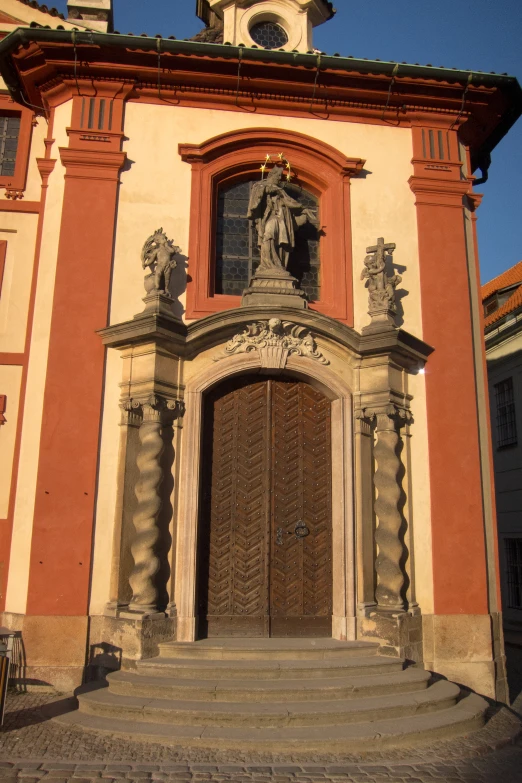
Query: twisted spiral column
{"x": 390, "y": 577}
{"x": 147, "y": 534}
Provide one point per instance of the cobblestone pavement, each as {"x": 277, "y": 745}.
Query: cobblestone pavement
{"x": 33, "y": 748}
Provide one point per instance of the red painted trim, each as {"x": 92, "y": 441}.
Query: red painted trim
{"x": 459, "y": 557}
{"x": 15, "y": 184}
{"x": 13, "y": 359}
{"x": 31, "y": 207}
{"x": 61, "y": 547}
{"x": 6, "y": 529}
{"x": 3, "y": 405}
{"x": 3, "y": 251}
{"x": 319, "y": 166}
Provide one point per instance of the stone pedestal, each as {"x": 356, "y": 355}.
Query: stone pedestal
{"x": 274, "y": 287}
{"x": 118, "y": 642}
{"x": 398, "y": 633}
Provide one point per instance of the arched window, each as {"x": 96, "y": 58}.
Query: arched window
{"x": 237, "y": 251}
{"x": 223, "y": 250}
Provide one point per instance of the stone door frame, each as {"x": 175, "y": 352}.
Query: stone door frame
{"x": 343, "y": 526}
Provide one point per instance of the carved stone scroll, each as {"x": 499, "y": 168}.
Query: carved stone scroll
{"x": 275, "y": 341}
{"x": 146, "y": 540}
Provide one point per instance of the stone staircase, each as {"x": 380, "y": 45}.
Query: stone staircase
{"x": 278, "y": 695}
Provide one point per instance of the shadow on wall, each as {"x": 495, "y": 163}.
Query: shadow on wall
{"x": 178, "y": 285}
{"x": 103, "y": 659}
{"x": 400, "y": 293}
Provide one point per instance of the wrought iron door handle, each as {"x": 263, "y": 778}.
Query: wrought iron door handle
{"x": 301, "y": 531}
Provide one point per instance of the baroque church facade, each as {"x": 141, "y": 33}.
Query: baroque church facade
{"x": 242, "y": 362}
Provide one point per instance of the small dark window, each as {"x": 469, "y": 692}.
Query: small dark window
{"x": 514, "y": 572}
{"x": 237, "y": 251}
{"x": 490, "y": 305}
{"x": 269, "y": 35}
{"x": 9, "y": 133}
{"x": 506, "y": 421}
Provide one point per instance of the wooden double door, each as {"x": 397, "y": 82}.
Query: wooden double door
{"x": 265, "y": 532}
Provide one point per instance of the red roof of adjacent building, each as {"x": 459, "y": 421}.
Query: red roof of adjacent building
{"x": 507, "y": 279}
{"x": 43, "y": 8}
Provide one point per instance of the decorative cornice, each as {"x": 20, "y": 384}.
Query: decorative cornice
{"x": 187, "y": 340}
{"x": 225, "y": 143}
{"x": 92, "y": 164}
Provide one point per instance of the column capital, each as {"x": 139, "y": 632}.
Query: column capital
{"x": 153, "y": 407}
{"x": 386, "y": 417}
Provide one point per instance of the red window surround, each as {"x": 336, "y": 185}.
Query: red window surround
{"x": 319, "y": 167}
{"x": 15, "y": 183}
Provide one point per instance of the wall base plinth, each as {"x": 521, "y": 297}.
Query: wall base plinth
{"x": 51, "y": 650}
{"x": 398, "y": 633}
{"x": 468, "y": 649}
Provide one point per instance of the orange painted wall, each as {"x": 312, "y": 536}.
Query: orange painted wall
{"x": 66, "y": 485}
{"x": 459, "y": 559}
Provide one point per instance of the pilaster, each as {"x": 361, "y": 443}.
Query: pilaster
{"x": 66, "y": 482}
{"x": 458, "y": 525}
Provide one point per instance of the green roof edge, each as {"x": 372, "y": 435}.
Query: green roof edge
{"x": 23, "y": 35}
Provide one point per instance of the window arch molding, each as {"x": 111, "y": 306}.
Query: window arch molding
{"x": 236, "y": 155}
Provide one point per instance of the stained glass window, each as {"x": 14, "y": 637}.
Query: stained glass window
{"x": 9, "y": 132}
{"x": 269, "y": 35}
{"x": 237, "y": 251}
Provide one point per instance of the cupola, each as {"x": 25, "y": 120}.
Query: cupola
{"x": 267, "y": 24}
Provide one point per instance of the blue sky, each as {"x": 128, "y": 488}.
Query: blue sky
{"x": 482, "y": 35}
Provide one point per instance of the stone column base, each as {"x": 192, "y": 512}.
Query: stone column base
{"x": 118, "y": 642}
{"x": 399, "y": 634}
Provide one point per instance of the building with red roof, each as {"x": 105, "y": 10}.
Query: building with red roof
{"x": 502, "y": 303}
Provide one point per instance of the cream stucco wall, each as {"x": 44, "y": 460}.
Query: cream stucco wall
{"x": 10, "y": 380}
{"x": 19, "y": 230}
{"x": 33, "y": 411}
{"x": 155, "y": 191}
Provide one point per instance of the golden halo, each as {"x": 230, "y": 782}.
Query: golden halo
{"x": 275, "y": 159}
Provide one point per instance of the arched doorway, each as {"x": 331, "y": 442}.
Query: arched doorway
{"x": 265, "y": 521}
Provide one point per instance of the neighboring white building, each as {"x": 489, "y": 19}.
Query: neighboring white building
{"x": 502, "y": 299}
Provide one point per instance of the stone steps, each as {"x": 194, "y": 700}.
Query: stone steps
{"x": 130, "y": 683}
{"x": 268, "y": 649}
{"x": 290, "y": 695}
{"x": 441, "y": 695}
{"x": 267, "y": 669}
{"x": 465, "y": 717}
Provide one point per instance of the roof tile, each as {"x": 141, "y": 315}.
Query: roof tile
{"x": 507, "y": 278}
{"x": 512, "y": 304}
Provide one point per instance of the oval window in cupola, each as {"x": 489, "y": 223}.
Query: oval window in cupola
{"x": 269, "y": 35}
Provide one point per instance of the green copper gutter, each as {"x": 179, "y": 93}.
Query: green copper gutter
{"x": 24, "y": 35}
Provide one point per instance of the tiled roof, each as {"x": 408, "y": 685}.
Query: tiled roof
{"x": 508, "y": 278}
{"x": 43, "y": 8}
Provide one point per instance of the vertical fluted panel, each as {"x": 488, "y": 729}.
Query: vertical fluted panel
{"x": 390, "y": 577}
{"x": 145, "y": 543}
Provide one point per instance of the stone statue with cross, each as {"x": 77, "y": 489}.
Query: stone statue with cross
{"x": 381, "y": 286}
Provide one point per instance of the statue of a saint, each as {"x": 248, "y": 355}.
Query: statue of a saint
{"x": 157, "y": 254}
{"x": 381, "y": 286}
{"x": 277, "y": 217}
